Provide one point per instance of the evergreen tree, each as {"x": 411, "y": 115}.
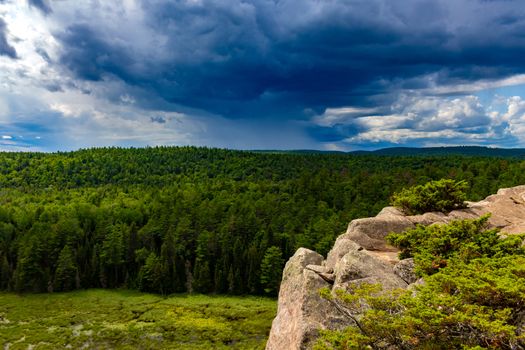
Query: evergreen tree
{"x": 112, "y": 255}
{"x": 150, "y": 275}
{"x": 172, "y": 265}
{"x": 66, "y": 272}
{"x": 202, "y": 279}
{"x": 202, "y": 282}
{"x": 5, "y": 273}
{"x": 271, "y": 270}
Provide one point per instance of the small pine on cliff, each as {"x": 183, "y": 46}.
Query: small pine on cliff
{"x": 443, "y": 195}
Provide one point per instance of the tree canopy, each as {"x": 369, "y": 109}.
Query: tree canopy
{"x": 178, "y": 219}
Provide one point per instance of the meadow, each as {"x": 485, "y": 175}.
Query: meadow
{"x": 125, "y": 319}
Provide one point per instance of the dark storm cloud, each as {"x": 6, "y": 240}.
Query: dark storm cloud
{"x": 42, "y": 5}
{"x": 276, "y": 59}
{"x": 335, "y": 133}
{"x": 90, "y": 57}
{"x": 5, "y": 48}
{"x": 158, "y": 119}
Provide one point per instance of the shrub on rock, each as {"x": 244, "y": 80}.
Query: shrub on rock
{"x": 472, "y": 296}
{"x": 443, "y": 195}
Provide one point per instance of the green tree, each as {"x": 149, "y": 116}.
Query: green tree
{"x": 435, "y": 246}
{"x": 271, "y": 270}
{"x": 150, "y": 275}
{"x": 172, "y": 265}
{"x": 66, "y": 271}
{"x": 112, "y": 254}
{"x": 203, "y": 282}
{"x": 32, "y": 269}
{"x": 478, "y": 305}
{"x": 5, "y": 273}
{"x": 167, "y": 199}
{"x": 443, "y": 195}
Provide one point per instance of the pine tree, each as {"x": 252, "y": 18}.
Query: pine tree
{"x": 203, "y": 281}
{"x": 66, "y": 272}
{"x": 172, "y": 265}
{"x": 150, "y": 275}
{"x": 271, "y": 270}
{"x": 5, "y": 273}
{"x": 112, "y": 255}
{"x": 30, "y": 275}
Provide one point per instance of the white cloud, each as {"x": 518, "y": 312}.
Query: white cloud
{"x": 4, "y": 107}
{"x": 343, "y": 115}
{"x": 438, "y": 113}
{"x": 515, "y": 110}
{"x": 334, "y": 147}
{"x": 388, "y": 122}
{"x": 31, "y": 36}
{"x": 513, "y": 118}
{"x": 401, "y": 135}
{"x": 414, "y": 117}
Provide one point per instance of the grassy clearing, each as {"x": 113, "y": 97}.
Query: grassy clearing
{"x": 109, "y": 319}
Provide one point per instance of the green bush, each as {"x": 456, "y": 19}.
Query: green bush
{"x": 472, "y": 298}
{"x": 475, "y": 305}
{"x": 434, "y": 246}
{"x": 443, "y": 195}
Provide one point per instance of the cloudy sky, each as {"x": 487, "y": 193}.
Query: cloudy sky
{"x": 261, "y": 74}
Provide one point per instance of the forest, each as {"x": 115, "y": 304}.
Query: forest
{"x": 188, "y": 219}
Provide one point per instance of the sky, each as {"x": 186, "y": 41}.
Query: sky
{"x": 263, "y": 74}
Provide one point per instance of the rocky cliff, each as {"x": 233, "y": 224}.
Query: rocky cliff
{"x": 362, "y": 254}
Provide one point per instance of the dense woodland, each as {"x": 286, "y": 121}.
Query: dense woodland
{"x": 191, "y": 219}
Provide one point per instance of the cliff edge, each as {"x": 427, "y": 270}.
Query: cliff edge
{"x": 362, "y": 254}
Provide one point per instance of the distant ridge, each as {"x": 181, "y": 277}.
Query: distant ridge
{"x": 299, "y": 151}
{"x": 473, "y": 151}
{"x": 444, "y": 151}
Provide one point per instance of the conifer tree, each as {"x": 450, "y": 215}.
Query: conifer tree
{"x": 66, "y": 272}
{"x": 271, "y": 270}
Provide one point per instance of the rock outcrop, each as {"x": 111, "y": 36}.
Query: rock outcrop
{"x": 298, "y": 318}
{"x": 361, "y": 254}
{"x": 405, "y": 269}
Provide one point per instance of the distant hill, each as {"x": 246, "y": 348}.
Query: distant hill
{"x": 445, "y": 151}
{"x": 300, "y": 151}
{"x": 475, "y": 151}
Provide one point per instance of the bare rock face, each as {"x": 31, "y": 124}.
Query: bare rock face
{"x": 341, "y": 246}
{"x": 405, "y": 270}
{"x": 357, "y": 266}
{"x": 301, "y": 312}
{"x": 361, "y": 254}
{"x": 507, "y": 209}
{"x": 322, "y": 271}
{"x": 370, "y": 232}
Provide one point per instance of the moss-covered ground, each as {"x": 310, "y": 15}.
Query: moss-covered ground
{"x": 122, "y": 319}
